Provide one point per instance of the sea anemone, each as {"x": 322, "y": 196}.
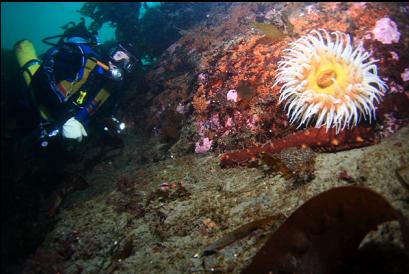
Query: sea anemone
{"x": 328, "y": 82}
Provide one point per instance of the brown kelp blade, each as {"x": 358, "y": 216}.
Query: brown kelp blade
{"x": 319, "y": 235}
{"x": 241, "y": 232}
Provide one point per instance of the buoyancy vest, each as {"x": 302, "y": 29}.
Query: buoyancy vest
{"x": 69, "y": 66}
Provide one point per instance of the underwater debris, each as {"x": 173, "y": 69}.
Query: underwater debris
{"x": 125, "y": 184}
{"x": 72, "y": 182}
{"x": 343, "y": 175}
{"x": 168, "y": 192}
{"x": 403, "y": 175}
{"x": 273, "y": 162}
{"x": 271, "y": 32}
{"x": 241, "y": 232}
{"x": 301, "y": 162}
{"x": 52, "y": 260}
{"x": 295, "y": 164}
{"x": 131, "y": 198}
{"x": 132, "y": 205}
{"x": 125, "y": 251}
{"x": 246, "y": 91}
{"x": 325, "y": 230}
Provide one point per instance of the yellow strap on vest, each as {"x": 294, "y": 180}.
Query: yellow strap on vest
{"x": 102, "y": 96}
{"x": 71, "y": 88}
{"x": 99, "y": 99}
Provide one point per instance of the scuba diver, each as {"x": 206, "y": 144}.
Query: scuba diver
{"x": 72, "y": 91}
{"x": 73, "y": 81}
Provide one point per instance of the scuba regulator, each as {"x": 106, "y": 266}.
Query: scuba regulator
{"x": 114, "y": 73}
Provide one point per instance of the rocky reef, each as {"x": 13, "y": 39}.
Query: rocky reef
{"x": 213, "y": 89}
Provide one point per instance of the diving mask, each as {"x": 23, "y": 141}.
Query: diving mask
{"x": 122, "y": 58}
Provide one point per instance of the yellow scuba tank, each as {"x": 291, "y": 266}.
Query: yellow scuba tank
{"x": 29, "y": 64}
{"x": 27, "y": 59}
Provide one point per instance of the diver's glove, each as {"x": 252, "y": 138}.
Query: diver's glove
{"x": 73, "y": 129}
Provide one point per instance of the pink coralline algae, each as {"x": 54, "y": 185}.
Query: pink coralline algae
{"x": 252, "y": 122}
{"x": 229, "y": 122}
{"x": 386, "y": 31}
{"x": 215, "y": 121}
{"x": 394, "y": 55}
{"x": 232, "y": 95}
{"x": 182, "y": 109}
{"x": 203, "y": 146}
{"x": 405, "y": 75}
{"x": 391, "y": 125}
{"x": 202, "y": 77}
{"x": 395, "y": 88}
